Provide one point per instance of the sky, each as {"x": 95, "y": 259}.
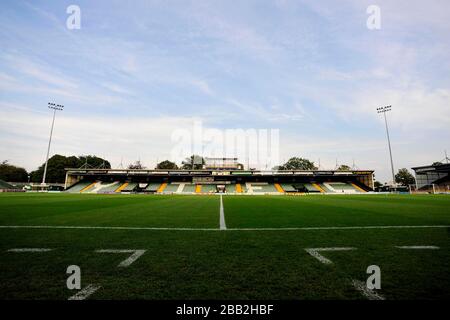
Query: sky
{"x": 136, "y": 72}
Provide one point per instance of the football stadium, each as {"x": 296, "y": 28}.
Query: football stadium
{"x": 220, "y": 179}
{"x": 223, "y": 233}
{"x": 204, "y": 152}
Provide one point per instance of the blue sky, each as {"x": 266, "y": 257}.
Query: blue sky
{"x": 136, "y": 71}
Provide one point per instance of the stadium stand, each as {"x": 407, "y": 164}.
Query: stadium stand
{"x": 162, "y": 187}
{"x": 278, "y": 187}
{"x": 95, "y": 187}
{"x": 123, "y": 186}
{"x": 288, "y": 187}
{"x": 188, "y": 188}
{"x": 5, "y": 185}
{"x": 208, "y": 188}
{"x": 261, "y": 188}
{"x": 325, "y": 188}
{"x": 152, "y": 187}
{"x": 78, "y": 187}
{"x": 129, "y": 187}
{"x": 170, "y": 188}
{"x": 108, "y": 187}
{"x": 216, "y": 181}
{"x": 434, "y": 178}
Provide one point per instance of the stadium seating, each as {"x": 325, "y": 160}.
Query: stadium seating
{"x": 261, "y": 188}
{"x": 288, "y": 187}
{"x": 310, "y": 188}
{"x": 5, "y": 185}
{"x": 130, "y": 187}
{"x": 152, "y": 187}
{"x": 108, "y": 187}
{"x": 87, "y": 186}
{"x": 279, "y": 188}
{"x": 171, "y": 187}
{"x": 208, "y": 188}
{"x": 79, "y": 186}
{"x": 162, "y": 187}
{"x": 342, "y": 187}
{"x": 188, "y": 188}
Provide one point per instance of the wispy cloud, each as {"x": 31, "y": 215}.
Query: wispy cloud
{"x": 309, "y": 68}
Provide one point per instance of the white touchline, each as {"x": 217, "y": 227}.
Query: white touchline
{"x": 218, "y": 229}
{"x": 223, "y": 226}
{"x": 418, "y": 247}
{"x": 369, "y": 294}
{"x": 84, "y": 293}
{"x": 128, "y": 261}
{"x": 315, "y": 253}
{"x": 29, "y": 250}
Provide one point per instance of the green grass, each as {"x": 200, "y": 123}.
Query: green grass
{"x": 237, "y": 264}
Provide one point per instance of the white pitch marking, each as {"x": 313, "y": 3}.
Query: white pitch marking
{"x": 29, "y": 250}
{"x": 368, "y": 293}
{"x": 315, "y": 253}
{"x": 223, "y": 225}
{"x": 228, "y": 229}
{"x": 84, "y": 293}
{"x": 128, "y": 261}
{"x": 418, "y": 247}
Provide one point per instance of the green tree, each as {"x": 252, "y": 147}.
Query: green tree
{"x": 57, "y": 164}
{"x": 92, "y": 161}
{"x": 11, "y": 173}
{"x": 404, "y": 177}
{"x": 377, "y": 184}
{"x": 344, "y": 167}
{"x": 194, "y": 162}
{"x": 296, "y": 163}
{"x": 166, "y": 164}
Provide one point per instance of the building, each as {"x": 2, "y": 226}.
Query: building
{"x": 218, "y": 180}
{"x": 434, "y": 178}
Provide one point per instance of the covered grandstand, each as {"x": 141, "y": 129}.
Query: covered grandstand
{"x": 116, "y": 181}
{"x": 433, "y": 178}
{"x": 5, "y": 186}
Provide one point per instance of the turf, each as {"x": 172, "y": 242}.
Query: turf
{"x": 232, "y": 264}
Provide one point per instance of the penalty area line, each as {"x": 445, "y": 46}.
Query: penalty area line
{"x": 227, "y": 229}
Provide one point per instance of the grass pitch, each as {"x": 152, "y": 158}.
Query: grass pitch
{"x": 261, "y": 255}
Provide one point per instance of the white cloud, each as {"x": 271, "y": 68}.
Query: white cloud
{"x": 147, "y": 138}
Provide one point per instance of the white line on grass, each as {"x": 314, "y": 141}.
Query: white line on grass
{"x": 84, "y": 293}
{"x": 368, "y": 293}
{"x": 228, "y": 229}
{"x": 29, "y": 250}
{"x": 128, "y": 261}
{"x": 315, "y": 253}
{"x": 223, "y": 225}
{"x": 418, "y": 247}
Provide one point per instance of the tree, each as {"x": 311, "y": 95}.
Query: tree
{"x": 166, "y": 164}
{"x": 92, "y": 161}
{"x": 136, "y": 165}
{"x": 377, "y": 184}
{"x": 437, "y": 163}
{"x": 344, "y": 167}
{"x": 194, "y": 162}
{"x": 11, "y": 173}
{"x": 57, "y": 164}
{"x": 296, "y": 163}
{"x": 404, "y": 177}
